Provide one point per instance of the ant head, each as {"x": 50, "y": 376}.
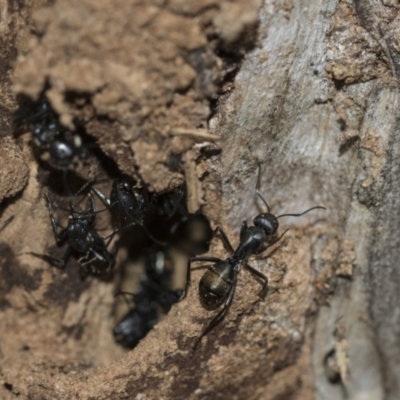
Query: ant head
{"x": 44, "y": 135}
{"x": 42, "y": 121}
{"x": 122, "y": 185}
{"x": 267, "y": 222}
{"x": 85, "y": 217}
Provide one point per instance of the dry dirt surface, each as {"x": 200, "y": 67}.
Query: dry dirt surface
{"x": 143, "y": 74}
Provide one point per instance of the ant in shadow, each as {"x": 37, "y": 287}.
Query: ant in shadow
{"x": 217, "y": 285}
{"x": 61, "y": 148}
{"x": 127, "y": 204}
{"x": 83, "y": 241}
{"x": 152, "y": 292}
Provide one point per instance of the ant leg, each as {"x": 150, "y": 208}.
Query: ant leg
{"x": 112, "y": 259}
{"x": 151, "y": 237}
{"x": 57, "y": 262}
{"x": 177, "y": 205}
{"x": 91, "y": 205}
{"x": 137, "y": 222}
{"x": 217, "y": 319}
{"x": 270, "y": 244}
{"x": 193, "y": 259}
{"x": 104, "y": 199}
{"x": 80, "y": 190}
{"x": 6, "y": 222}
{"x": 101, "y": 256}
{"x": 243, "y": 228}
{"x": 278, "y": 239}
{"x": 224, "y": 237}
{"x": 84, "y": 186}
{"x": 167, "y": 207}
{"x": 59, "y": 236}
{"x": 259, "y": 275}
{"x": 83, "y": 261}
{"x": 65, "y": 257}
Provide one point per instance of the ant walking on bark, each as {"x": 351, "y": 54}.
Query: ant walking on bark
{"x": 217, "y": 285}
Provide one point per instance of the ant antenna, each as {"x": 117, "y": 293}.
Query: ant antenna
{"x": 71, "y": 206}
{"x": 136, "y": 223}
{"x": 258, "y": 188}
{"x": 85, "y": 185}
{"x": 81, "y": 189}
{"x": 81, "y": 212}
{"x": 305, "y": 212}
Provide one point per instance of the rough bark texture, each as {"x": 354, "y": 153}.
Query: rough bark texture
{"x": 309, "y": 89}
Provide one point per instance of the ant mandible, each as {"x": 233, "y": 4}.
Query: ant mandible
{"x": 217, "y": 285}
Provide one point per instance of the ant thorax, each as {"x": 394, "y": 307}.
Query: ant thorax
{"x": 251, "y": 239}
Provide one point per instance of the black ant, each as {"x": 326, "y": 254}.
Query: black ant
{"x": 172, "y": 203}
{"x": 66, "y": 153}
{"x": 152, "y": 293}
{"x": 60, "y": 147}
{"x": 159, "y": 268}
{"x": 137, "y": 323}
{"x": 127, "y": 204}
{"x": 41, "y": 120}
{"x": 83, "y": 240}
{"x": 63, "y": 147}
{"x": 188, "y": 232}
{"x": 217, "y": 285}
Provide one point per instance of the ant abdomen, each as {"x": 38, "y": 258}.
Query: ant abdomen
{"x": 215, "y": 284}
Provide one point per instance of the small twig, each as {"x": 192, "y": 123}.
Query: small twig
{"x": 193, "y": 184}
{"x": 195, "y": 133}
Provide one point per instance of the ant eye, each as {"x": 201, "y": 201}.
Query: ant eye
{"x": 267, "y": 222}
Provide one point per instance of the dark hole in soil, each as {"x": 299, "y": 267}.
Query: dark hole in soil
{"x": 154, "y": 232}
{"x": 8, "y": 386}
